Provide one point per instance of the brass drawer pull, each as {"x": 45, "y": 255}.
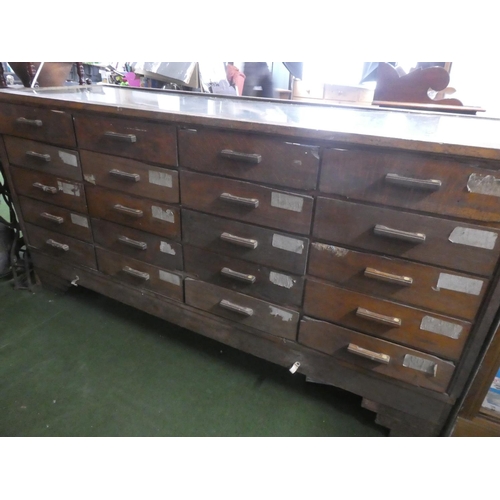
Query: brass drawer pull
{"x": 59, "y": 246}
{"x": 125, "y": 175}
{"x": 425, "y": 184}
{"x": 52, "y": 218}
{"x": 236, "y": 240}
{"x": 396, "y": 234}
{"x": 365, "y": 353}
{"x": 45, "y": 189}
{"x": 136, "y": 273}
{"x": 247, "y": 202}
{"x": 25, "y": 121}
{"x": 229, "y": 273}
{"x": 378, "y": 318}
{"x": 121, "y": 137}
{"x": 128, "y": 211}
{"x": 387, "y": 277}
{"x": 245, "y": 311}
{"x": 40, "y": 156}
{"x": 246, "y": 157}
{"x": 141, "y": 245}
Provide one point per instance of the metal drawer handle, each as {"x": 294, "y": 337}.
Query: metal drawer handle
{"x": 52, "y": 218}
{"x": 247, "y": 202}
{"x": 35, "y": 123}
{"x": 121, "y": 137}
{"x": 425, "y": 184}
{"x": 136, "y": 273}
{"x": 141, "y": 245}
{"x": 246, "y": 157}
{"x": 237, "y": 240}
{"x": 229, "y": 273}
{"x": 125, "y": 175}
{"x": 365, "y": 353}
{"x": 44, "y": 157}
{"x": 245, "y": 311}
{"x": 59, "y": 246}
{"x": 128, "y": 211}
{"x": 378, "y": 318}
{"x": 389, "y": 278}
{"x": 45, "y": 189}
{"x": 396, "y": 234}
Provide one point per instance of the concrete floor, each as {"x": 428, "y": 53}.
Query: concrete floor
{"x": 80, "y": 364}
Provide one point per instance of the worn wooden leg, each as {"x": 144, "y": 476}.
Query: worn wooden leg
{"x": 401, "y": 424}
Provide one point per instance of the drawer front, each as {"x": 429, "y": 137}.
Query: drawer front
{"x": 145, "y": 141}
{"x": 405, "y": 325}
{"x": 140, "y": 274}
{"x": 250, "y": 157}
{"x": 55, "y": 127}
{"x": 61, "y": 246}
{"x": 140, "y": 213}
{"x": 46, "y": 187}
{"x": 243, "y": 241}
{"x": 412, "y": 181}
{"x": 244, "y": 277}
{"x": 56, "y": 218}
{"x": 388, "y": 359}
{"x": 42, "y": 157}
{"x": 394, "y": 279}
{"x": 242, "y": 309}
{"x": 137, "y": 244}
{"x": 441, "y": 242}
{"x": 131, "y": 176}
{"x": 247, "y": 202}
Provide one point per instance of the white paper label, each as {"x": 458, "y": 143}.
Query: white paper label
{"x": 67, "y": 188}
{"x": 281, "y": 280}
{"x": 166, "y": 215}
{"x": 484, "y": 184}
{"x": 473, "y": 237}
{"x": 160, "y": 178}
{"x": 441, "y": 327}
{"x": 68, "y": 158}
{"x": 288, "y": 244}
{"x": 170, "y": 277}
{"x": 420, "y": 364}
{"x": 287, "y": 202}
{"x": 337, "y": 251}
{"x": 461, "y": 284}
{"x": 284, "y": 315}
{"x": 79, "y": 220}
{"x": 89, "y": 178}
{"x": 166, "y": 248}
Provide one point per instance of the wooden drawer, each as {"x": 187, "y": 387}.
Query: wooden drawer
{"x": 243, "y": 241}
{"x": 140, "y": 213}
{"x": 42, "y": 157}
{"x": 145, "y": 141}
{"x": 412, "y": 181}
{"x": 249, "y": 156}
{"x": 46, "y": 187}
{"x": 140, "y": 275}
{"x": 131, "y": 176}
{"x": 245, "y": 277}
{"x": 447, "y": 243}
{"x": 56, "y": 218}
{"x": 388, "y": 359}
{"x": 61, "y": 246}
{"x": 405, "y": 325}
{"x": 394, "y": 279}
{"x": 247, "y": 202}
{"x": 242, "y": 309}
{"x": 55, "y": 127}
{"x": 138, "y": 244}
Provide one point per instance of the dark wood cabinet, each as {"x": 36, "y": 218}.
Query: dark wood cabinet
{"x": 359, "y": 245}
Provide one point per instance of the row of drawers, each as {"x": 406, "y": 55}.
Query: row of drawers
{"x": 428, "y": 240}
{"x": 437, "y": 186}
